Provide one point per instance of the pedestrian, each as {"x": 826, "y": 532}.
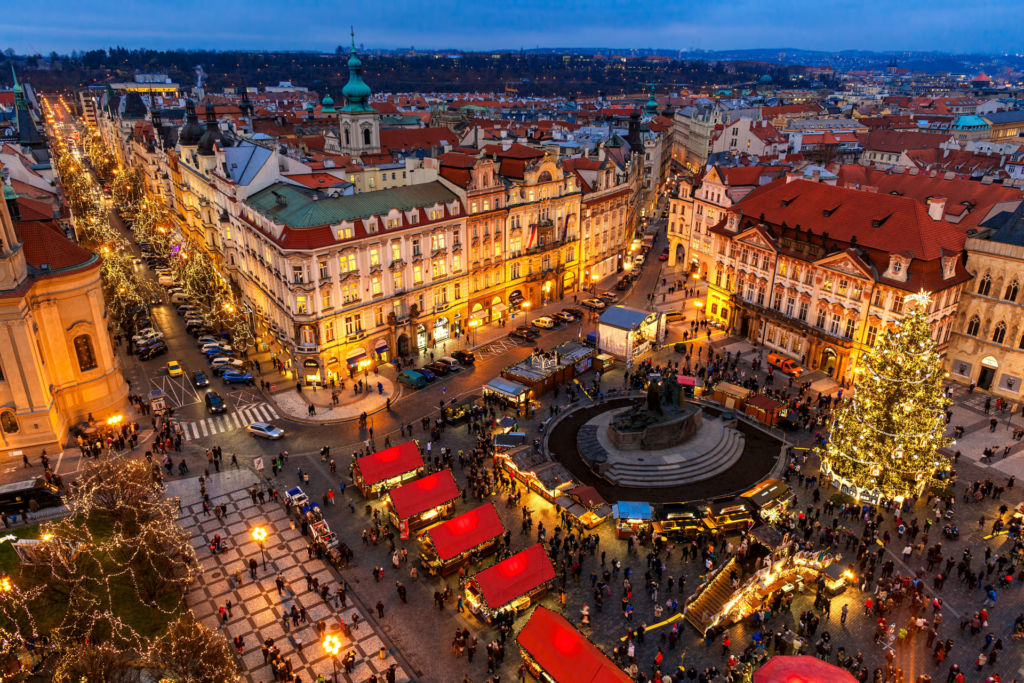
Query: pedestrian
{"x": 380, "y": 609}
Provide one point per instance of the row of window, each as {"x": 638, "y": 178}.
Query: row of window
{"x": 1010, "y": 294}
{"x": 998, "y": 334}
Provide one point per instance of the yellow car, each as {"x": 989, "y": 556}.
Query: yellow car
{"x": 174, "y": 368}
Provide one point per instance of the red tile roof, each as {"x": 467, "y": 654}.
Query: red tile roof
{"x": 44, "y": 245}
{"x": 409, "y": 139}
{"x": 900, "y": 141}
{"x": 515, "y": 151}
{"x": 876, "y": 221}
{"x": 34, "y": 210}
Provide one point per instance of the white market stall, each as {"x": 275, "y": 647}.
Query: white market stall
{"x": 629, "y": 334}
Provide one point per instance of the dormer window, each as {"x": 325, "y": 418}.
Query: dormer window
{"x": 948, "y": 267}
{"x": 898, "y": 266}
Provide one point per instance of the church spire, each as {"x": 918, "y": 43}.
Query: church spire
{"x": 356, "y": 91}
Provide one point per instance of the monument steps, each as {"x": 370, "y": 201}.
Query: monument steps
{"x": 723, "y": 455}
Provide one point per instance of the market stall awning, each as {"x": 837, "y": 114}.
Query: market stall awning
{"x": 424, "y": 494}
{"x": 465, "y": 532}
{"x": 626, "y": 509}
{"x": 801, "y": 669}
{"x": 623, "y": 318}
{"x": 391, "y": 462}
{"x": 499, "y": 308}
{"x": 564, "y": 653}
{"x": 381, "y": 345}
{"x": 506, "y": 387}
{"x": 686, "y": 380}
{"x": 478, "y": 315}
{"x": 515, "y": 576}
{"x": 509, "y": 439}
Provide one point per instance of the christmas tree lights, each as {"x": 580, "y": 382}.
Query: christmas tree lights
{"x": 885, "y": 438}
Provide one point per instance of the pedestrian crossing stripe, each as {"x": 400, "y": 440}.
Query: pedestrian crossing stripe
{"x": 217, "y": 424}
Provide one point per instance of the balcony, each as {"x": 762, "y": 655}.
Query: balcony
{"x": 307, "y": 348}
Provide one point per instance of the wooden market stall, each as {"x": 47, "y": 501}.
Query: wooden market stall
{"x": 542, "y": 371}
{"x": 771, "y": 498}
{"x": 449, "y": 545}
{"x": 511, "y": 584}
{"x": 387, "y": 468}
{"x": 730, "y": 395}
{"x": 589, "y": 508}
{"x": 632, "y": 517}
{"x": 422, "y": 502}
{"x": 507, "y": 392}
{"x": 764, "y": 409}
{"x": 537, "y": 471}
{"x": 554, "y": 651}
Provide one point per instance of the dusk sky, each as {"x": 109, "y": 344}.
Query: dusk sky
{"x": 941, "y": 25}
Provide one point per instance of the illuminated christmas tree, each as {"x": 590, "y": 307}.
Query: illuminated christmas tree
{"x": 885, "y": 437}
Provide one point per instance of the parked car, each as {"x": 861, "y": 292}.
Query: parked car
{"x": 215, "y": 403}
{"x": 608, "y": 297}
{"x": 174, "y": 368}
{"x": 623, "y": 284}
{"x": 412, "y": 378}
{"x": 165, "y": 280}
{"x": 663, "y": 256}
{"x": 237, "y": 377}
{"x": 544, "y": 322}
{"x": 464, "y": 357}
{"x": 564, "y": 316}
{"x": 199, "y": 379}
{"x": 185, "y": 309}
{"x": 264, "y": 430}
{"x": 215, "y": 345}
{"x": 578, "y": 312}
{"x": 786, "y": 365}
{"x": 427, "y": 374}
{"x": 450, "y": 363}
{"x": 156, "y": 348}
{"x": 530, "y": 332}
{"x": 594, "y": 304}
{"x": 519, "y": 336}
{"x": 439, "y": 369}
{"x": 146, "y": 334}
{"x": 179, "y": 298}
{"x": 203, "y": 341}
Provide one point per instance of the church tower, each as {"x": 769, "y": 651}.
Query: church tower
{"x": 13, "y": 270}
{"x": 358, "y": 122}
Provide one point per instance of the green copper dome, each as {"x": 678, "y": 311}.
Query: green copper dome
{"x": 651, "y": 108}
{"x": 356, "y": 92}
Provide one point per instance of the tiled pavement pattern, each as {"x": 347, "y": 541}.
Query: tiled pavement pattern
{"x": 256, "y": 607}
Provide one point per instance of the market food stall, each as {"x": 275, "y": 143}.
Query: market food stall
{"x": 555, "y": 652}
{"x": 544, "y": 370}
{"x": 770, "y": 498}
{"x": 472, "y": 535}
{"x": 507, "y": 392}
{"x": 421, "y": 502}
{"x": 764, "y": 409}
{"x": 730, "y": 395}
{"x": 511, "y": 584}
{"x": 629, "y": 334}
{"x": 680, "y": 521}
{"x": 734, "y": 514}
{"x": 387, "y": 468}
{"x": 586, "y": 505}
{"x": 632, "y": 517}
{"x": 537, "y": 471}
{"x": 801, "y": 669}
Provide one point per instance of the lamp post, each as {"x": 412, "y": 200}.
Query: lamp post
{"x": 259, "y": 534}
{"x": 700, "y": 307}
{"x": 332, "y": 646}
{"x": 593, "y": 283}
{"x": 526, "y": 311}
{"x": 473, "y": 324}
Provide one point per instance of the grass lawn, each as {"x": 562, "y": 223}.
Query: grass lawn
{"x": 9, "y": 562}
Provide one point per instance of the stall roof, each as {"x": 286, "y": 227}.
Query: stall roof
{"x": 623, "y": 318}
{"x": 571, "y": 352}
{"x": 627, "y": 509}
{"x": 390, "y": 462}
{"x": 506, "y": 387}
{"x": 765, "y": 403}
{"x": 424, "y": 494}
{"x": 767, "y": 491}
{"x": 466, "y": 531}
{"x": 509, "y": 439}
{"x": 564, "y": 653}
{"x": 587, "y": 496}
{"x": 732, "y": 389}
{"x": 515, "y": 576}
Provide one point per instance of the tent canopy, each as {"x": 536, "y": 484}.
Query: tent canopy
{"x": 515, "y": 576}
{"x": 626, "y": 509}
{"x": 391, "y": 462}
{"x": 424, "y": 494}
{"x": 465, "y": 532}
{"x": 506, "y": 387}
{"x": 623, "y": 318}
{"x": 801, "y": 669}
{"x": 564, "y": 653}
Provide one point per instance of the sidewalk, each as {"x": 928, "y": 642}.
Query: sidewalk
{"x": 296, "y": 404}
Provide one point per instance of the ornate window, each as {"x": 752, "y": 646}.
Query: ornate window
{"x": 1011, "y": 291}
{"x": 84, "y": 351}
{"x": 8, "y": 422}
{"x": 1000, "y": 333}
{"x": 366, "y": 136}
{"x": 973, "y": 325}
{"x": 985, "y": 285}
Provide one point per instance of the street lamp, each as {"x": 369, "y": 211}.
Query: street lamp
{"x": 593, "y": 283}
{"x": 473, "y": 324}
{"x": 700, "y": 307}
{"x": 332, "y": 646}
{"x": 526, "y": 311}
{"x": 259, "y": 534}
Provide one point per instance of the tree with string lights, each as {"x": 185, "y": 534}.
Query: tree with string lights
{"x": 189, "y": 651}
{"x": 885, "y": 438}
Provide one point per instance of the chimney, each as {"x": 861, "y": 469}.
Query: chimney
{"x": 506, "y": 144}
{"x": 793, "y": 175}
{"x": 936, "y": 208}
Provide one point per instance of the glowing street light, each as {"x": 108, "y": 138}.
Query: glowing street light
{"x": 526, "y": 309}
{"x": 259, "y": 534}
{"x": 332, "y": 646}
{"x": 5, "y": 584}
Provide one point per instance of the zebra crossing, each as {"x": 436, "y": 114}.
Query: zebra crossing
{"x": 237, "y": 419}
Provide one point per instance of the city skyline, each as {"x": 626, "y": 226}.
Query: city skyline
{"x": 939, "y": 26}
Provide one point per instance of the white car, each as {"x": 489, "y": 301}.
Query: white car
{"x": 203, "y": 341}
{"x": 264, "y": 430}
{"x": 147, "y": 334}
{"x": 165, "y": 280}
{"x": 227, "y": 362}
{"x": 595, "y": 304}
{"x": 545, "y": 322}
{"x": 214, "y": 346}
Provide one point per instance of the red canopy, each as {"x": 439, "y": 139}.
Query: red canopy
{"x": 465, "y": 532}
{"x": 801, "y": 669}
{"x": 424, "y": 494}
{"x": 515, "y": 577}
{"x": 564, "y": 653}
{"x": 390, "y": 462}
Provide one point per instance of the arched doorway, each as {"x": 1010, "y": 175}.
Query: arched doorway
{"x": 403, "y": 344}
{"x": 680, "y": 253}
{"x": 829, "y": 359}
{"x": 989, "y": 365}
{"x": 745, "y": 326}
